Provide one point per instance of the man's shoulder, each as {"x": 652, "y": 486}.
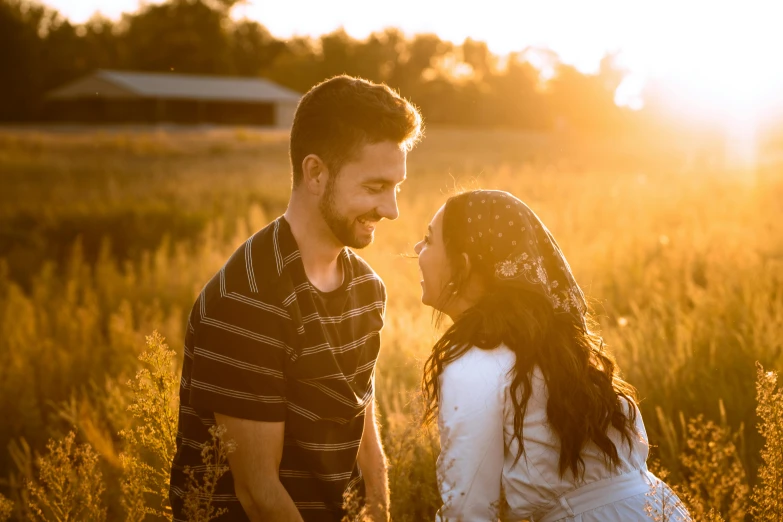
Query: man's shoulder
{"x": 244, "y": 292}
{"x": 252, "y": 269}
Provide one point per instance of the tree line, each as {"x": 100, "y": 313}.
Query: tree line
{"x": 457, "y": 84}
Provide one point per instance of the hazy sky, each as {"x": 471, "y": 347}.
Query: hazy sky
{"x": 713, "y": 51}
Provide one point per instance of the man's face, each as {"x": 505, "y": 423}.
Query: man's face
{"x": 363, "y": 193}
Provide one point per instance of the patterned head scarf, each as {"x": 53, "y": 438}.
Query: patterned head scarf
{"x": 504, "y": 234}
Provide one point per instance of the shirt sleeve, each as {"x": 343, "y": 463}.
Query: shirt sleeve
{"x": 239, "y": 359}
{"x": 470, "y": 465}
{"x": 383, "y": 297}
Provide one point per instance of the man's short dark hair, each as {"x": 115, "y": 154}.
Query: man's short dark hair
{"x": 339, "y": 116}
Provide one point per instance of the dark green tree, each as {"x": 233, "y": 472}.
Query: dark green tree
{"x": 186, "y": 36}
{"x": 20, "y": 59}
{"x": 253, "y": 48}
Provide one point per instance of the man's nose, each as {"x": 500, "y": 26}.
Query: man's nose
{"x": 388, "y": 208}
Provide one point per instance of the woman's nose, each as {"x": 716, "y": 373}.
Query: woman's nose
{"x": 417, "y": 248}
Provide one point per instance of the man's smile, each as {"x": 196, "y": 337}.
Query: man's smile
{"x": 367, "y": 224}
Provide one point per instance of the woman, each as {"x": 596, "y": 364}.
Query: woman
{"x": 528, "y": 400}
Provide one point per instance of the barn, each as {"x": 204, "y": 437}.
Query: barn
{"x": 108, "y": 96}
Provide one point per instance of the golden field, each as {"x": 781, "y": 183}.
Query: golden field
{"x": 107, "y": 236}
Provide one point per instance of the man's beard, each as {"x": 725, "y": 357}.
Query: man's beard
{"x": 342, "y": 227}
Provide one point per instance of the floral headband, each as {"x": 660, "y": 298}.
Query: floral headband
{"x": 506, "y": 234}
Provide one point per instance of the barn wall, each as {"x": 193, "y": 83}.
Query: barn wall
{"x": 284, "y": 114}
{"x": 146, "y": 110}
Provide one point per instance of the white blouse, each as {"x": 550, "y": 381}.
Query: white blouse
{"x": 476, "y": 419}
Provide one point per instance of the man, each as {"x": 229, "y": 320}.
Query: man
{"x": 282, "y": 342}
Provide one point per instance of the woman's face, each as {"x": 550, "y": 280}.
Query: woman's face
{"x": 435, "y": 269}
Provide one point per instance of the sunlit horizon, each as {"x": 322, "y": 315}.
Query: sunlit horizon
{"x": 716, "y": 59}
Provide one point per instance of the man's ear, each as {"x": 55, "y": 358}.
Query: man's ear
{"x": 314, "y": 174}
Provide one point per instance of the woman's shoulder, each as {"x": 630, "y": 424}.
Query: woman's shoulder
{"x": 480, "y": 361}
{"x": 475, "y": 384}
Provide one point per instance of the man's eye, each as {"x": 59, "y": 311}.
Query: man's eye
{"x": 375, "y": 189}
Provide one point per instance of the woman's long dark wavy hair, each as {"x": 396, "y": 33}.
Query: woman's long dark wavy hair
{"x": 586, "y": 393}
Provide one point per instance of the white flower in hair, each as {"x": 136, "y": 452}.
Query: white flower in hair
{"x": 541, "y": 272}
{"x": 507, "y": 268}
{"x": 565, "y": 305}
{"x": 577, "y": 302}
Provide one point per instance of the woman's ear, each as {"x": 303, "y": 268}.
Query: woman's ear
{"x": 467, "y": 267}
{"x": 471, "y": 281}
{"x": 314, "y": 174}
{"x": 461, "y": 272}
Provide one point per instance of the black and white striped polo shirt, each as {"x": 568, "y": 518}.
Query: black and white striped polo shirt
{"x": 264, "y": 344}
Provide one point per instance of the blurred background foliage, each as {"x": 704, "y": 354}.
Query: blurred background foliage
{"x": 462, "y": 84}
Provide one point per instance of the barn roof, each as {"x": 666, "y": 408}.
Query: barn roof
{"x": 127, "y": 84}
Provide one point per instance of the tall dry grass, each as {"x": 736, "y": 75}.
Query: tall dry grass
{"x": 683, "y": 262}
{"x": 768, "y": 494}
